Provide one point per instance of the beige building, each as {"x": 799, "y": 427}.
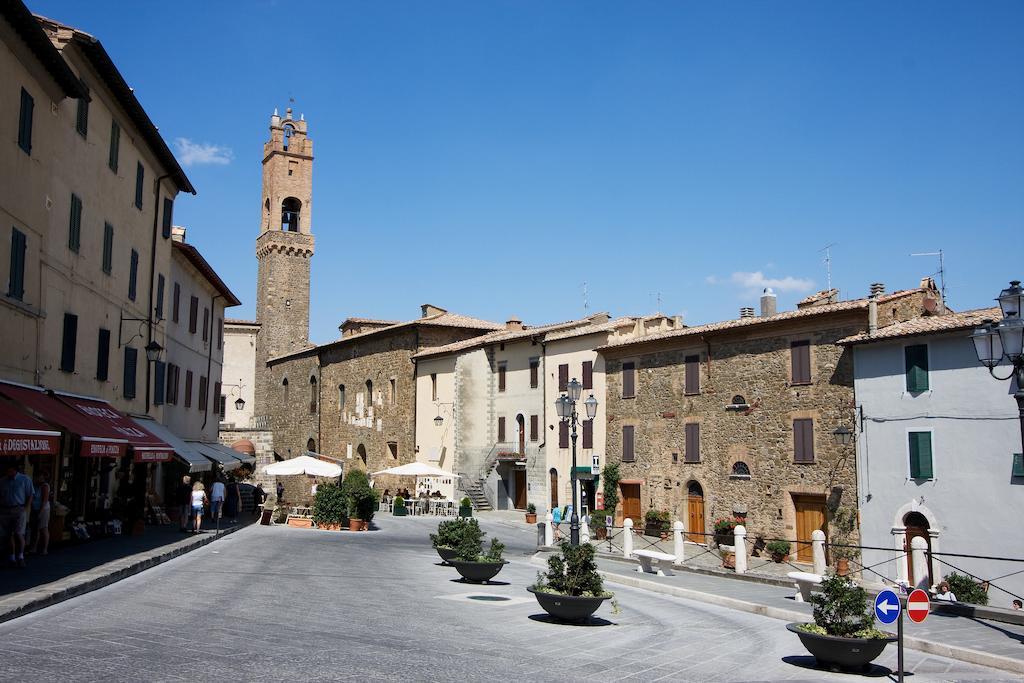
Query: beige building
{"x": 239, "y": 375}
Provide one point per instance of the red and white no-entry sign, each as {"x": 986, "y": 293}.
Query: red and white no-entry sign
{"x": 918, "y": 606}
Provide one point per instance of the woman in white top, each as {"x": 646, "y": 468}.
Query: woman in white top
{"x": 199, "y": 501}
{"x": 943, "y": 593}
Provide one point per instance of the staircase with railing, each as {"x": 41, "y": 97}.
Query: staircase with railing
{"x": 474, "y": 484}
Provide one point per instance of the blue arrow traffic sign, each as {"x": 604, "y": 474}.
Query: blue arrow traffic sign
{"x": 887, "y": 607}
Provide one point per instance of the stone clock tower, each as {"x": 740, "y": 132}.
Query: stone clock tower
{"x": 284, "y": 247}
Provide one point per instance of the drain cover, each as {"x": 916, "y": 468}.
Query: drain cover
{"x": 488, "y": 598}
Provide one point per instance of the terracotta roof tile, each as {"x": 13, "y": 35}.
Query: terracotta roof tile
{"x": 498, "y": 337}
{"x": 950, "y": 322}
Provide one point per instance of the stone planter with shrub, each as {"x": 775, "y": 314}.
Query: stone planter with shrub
{"x": 571, "y": 590}
{"x": 472, "y": 563}
{"x": 329, "y": 508}
{"x": 466, "y": 507}
{"x": 446, "y": 540}
{"x": 360, "y": 499}
{"x": 778, "y": 549}
{"x": 399, "y": 509}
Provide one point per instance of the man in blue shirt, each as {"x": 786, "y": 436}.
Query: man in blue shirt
{"x": 16, "y": 493}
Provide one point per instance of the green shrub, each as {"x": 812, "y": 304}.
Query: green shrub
{"x": 531, "y": 509}
{"x": 966, "y": 589}
{"x": 466, "y": 502}
{"x": 777, "y": 547}
{"x": 598, "y": 519}
{"x": 572, "y": 572}
{"x": 841, "y": 608}
{"x": 399, "y": 502}
{"x": 495, "y": 551}
{"x": 844, "y": 527}
{"x": 658, "y": 520}
{"x": 449, "y": 533}
{"x": 610, "y": 477}
{"x": 360, "y": 499}
{"x": 329, "y": 505}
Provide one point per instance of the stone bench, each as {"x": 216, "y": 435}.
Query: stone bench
{"x": 648, "y": 556}
{"x": 804, "y": 582}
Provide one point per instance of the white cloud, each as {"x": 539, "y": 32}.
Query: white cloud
{"x": 755, "y": 282}
{"x": 194, "y": 154}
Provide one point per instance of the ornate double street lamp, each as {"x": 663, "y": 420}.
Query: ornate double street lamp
{"x": 566, "y": 407}
{"x": 995, "y": 342}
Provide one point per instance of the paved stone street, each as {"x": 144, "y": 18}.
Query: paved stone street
{"x": 272, "y": 604}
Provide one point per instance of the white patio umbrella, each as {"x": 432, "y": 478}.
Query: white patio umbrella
{"x": 416, "y": 469}
{"x": 303, "y": 465}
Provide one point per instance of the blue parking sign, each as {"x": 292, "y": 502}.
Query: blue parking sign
{"x": 887, "y": 607}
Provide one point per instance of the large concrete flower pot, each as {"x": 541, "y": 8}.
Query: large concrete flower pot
{"x": 400, "y": 511}
{"x": 465, "y": 512}
{"x": 447, "y": 554}
{"x": 477, "y": 572}
{"x": 842, "y": 653}
{"x": 568, "y": 607}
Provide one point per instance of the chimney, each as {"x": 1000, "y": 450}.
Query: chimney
{"x": 428, "y": 310}
{"x": 677, "y": 322}
{"x": 747, "y": 312}
{"x": 599, "y": 318}
{"x": 877, "y": 289}
{"x": 768, "y": 303}
{"x": 514, "y": 324}
{"x": 178, "y": 233}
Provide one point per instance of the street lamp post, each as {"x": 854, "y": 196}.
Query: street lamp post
{"x": 566, "y": 407}
{"x": 995, "y": 342}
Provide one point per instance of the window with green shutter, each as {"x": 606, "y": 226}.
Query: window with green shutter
{"x": 75, "y": 224}
{"x": 159, "y": 381}
{"x": 69, "y": 343}
{"x": 133, "y": 275}
{"x": 108, "y": 248}
{"x": 103, "y": 355}
{"x": 168, "y": 217}
{"x": 1018, "y": 465}
{"x": 115, "y": 146}
{"x": 916, "y": 367}
{"x": 82, "y": 119}
{"x": 921, "y": 455}
{"x": 16, "y": 279}
{"x": 25, "y": 122}
{"x": 140, "y": 174}
{"x": 159, "y": 297}
{"x": 131, "y": 361}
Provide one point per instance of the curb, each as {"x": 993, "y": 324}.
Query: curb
{"x": 35, "y": 599}
{"x": 963, "y": 654}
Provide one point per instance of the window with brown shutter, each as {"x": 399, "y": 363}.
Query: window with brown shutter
{"x": 501, "y": 377}
{"x": 193, "y": 314}
{"x": 188, "y": 388}
{"x": 800, "y": 351}
{"x": 534, "y": 374}
{"x": 563, "y": 434}
{"x": 534, "y": 427}
{"x": 588, "y": 433}
{"x": 588, "y": 374}
{"x": 501, "y": 429}
{"x": 627, "y": 444}
{"x": 202, "y": 393}
{"x": 628, "y": 380}
{"x": 563, "y": 377}
{"x": 692, "y": 375}
{"x": 433, "y": 386}
{"x": 803, "y": 440}
{"x": 692, "y": 453}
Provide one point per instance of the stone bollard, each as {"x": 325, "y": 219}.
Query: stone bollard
{"x": 627, "y": 538}
{"x": 818, "y": 551}
{"x": 677, "y": 537}
{"x": 584, "y": 531}
{"x": 542, "y": 532}
{"x": 919, "y": 558}
{"x": 549, "y": 529}
{"x": 740, "y": 548}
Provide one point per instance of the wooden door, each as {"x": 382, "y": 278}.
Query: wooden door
{"x": 553, "y": 485}
{"x": 631, "y": 503}
{"x": 810, "y": 515}
{"x": 520, "y": 486}
{"x": 695, "y": 517}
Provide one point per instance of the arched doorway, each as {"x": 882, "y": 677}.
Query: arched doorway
{"x": 916, "y": 524}
{"x": 311, "y": 446}
{"x": 695, "y": 513}
{"x": 361, "y": 452}
{"x": 553, "y": 485}
{"x": 521, "y": 422}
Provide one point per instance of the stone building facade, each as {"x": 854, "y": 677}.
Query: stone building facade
{"x": 736, "y": 417}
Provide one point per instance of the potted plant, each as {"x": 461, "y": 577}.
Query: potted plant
{"x": 724, "y": 531}
{"x": 446, "y": 540}
{"x": 399, "y": 509}
{"x": 472, "y": 563}
{"x": 657, "y": 523}
{"x": 531, "y": 513}
{"x": 361, "y": 500}
{"x": 843, "y": 634}
{"x": 571, "y": 589}
{"x": 778, "y": 549}
{"x": 329, "y": 507}
{"x": 466, "y": 507}
{"x": 844, "y": 523}
{"x": 599, "y": 524}
{"x": 966, "y": 589}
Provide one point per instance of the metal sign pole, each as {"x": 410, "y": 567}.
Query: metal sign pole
{"x": 899, "y": 647}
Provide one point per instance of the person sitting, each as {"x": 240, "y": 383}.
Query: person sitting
{"x": 943, "y": 593}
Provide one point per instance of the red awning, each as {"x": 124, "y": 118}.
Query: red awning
{"x": 97, "y": 440}
{"x": 22, "y": 434}
{"x": 147, "y": 447}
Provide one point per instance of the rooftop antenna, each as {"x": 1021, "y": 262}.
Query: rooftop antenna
{"x": 942, "y": 270}
{"x": 659, "y": 303}
{"x": 586, "y": 304}
{"x": 828, "y": 265}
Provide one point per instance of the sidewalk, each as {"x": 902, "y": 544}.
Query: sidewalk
{"x": 73, "y": 570}
{"x": 977, "y": 641}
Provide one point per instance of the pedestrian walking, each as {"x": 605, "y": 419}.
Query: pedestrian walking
{"x": 183, "y": 499}
{"x": 217, "y": 494}
{"x": 16, "y": 492}
{"x": 231, "y": 503}
{"x": 556, "y": 520}
{"x": 280, "y": 492}
{"x": 259, "y": 497}
{"x": 199, "y": 501}
{"x": 40, "y": 521}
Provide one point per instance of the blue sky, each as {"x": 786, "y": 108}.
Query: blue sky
{"x": 491, "y": 157}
